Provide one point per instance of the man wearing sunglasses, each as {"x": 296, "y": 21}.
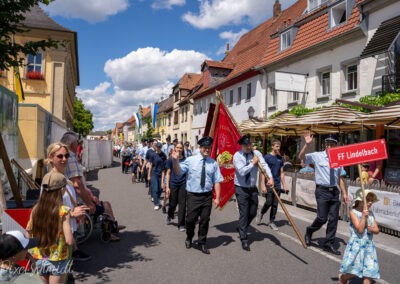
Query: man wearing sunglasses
{"x": 328, "y": 183}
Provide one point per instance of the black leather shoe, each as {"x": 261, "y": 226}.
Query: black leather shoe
{"x": 245, "y": 245}
{"x": 331, "y": 249}
{"x": 307, "y": 238}
{"x": 204, "y": 249}
{"x": 188, "y": 244}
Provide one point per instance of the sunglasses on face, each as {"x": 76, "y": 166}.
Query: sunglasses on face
{"x": 60, "y": 156}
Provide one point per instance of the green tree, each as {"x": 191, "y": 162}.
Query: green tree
{"x": 83, "y": 118}
{"x": 150, "y": 129}
{"x": 11, "y": 19}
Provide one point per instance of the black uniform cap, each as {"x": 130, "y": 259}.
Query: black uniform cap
{"x": 331, "y": 138}
{"x": 244, "y": 140}
{"x": 205, "y": 141}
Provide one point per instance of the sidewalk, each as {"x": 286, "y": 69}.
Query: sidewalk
{"x": 382, "y": 241}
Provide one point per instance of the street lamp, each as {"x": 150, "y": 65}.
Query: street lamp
{"x": 251, "y": 112}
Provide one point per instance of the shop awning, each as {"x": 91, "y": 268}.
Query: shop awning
{"x": 329, "y": 119}
{"x": 389, "y": 116}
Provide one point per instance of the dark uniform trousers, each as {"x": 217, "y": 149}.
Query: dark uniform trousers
{"x": 328, "y": 205}
{"x": 271, "y": 201}
{"x": 198, "y": 205}
{"x": 141, "y": 174}
{"x": 247, "y": 199}
{"x": 178, "y": 197}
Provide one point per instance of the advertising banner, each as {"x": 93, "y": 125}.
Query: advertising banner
{"x": 386, "y": 210}
{"x": 224, "y": 147}
{"x": 305, "y": 193}
{"x": 357, "y": 153}
{"x": 288, "y": 197}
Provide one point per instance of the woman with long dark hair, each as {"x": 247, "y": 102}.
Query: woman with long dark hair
{"x": 176, "y": 190}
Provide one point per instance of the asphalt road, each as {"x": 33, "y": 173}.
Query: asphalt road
{"x": 152, "y": 252}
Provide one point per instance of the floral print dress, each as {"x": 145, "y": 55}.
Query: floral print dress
{"x": 360, "y": 257}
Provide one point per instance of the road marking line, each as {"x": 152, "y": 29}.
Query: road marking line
{"x": 321, "y": 252}
{"x": 380, "y": 246}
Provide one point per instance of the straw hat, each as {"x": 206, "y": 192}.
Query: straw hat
{"x": 359, "y": 196}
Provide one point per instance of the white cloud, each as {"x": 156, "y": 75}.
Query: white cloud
{"x": 167, "y": 4}
{"x": 111, "y": 105}
{"x": 139, "y": 78}
{"x": 231, "y": 38}
{"x": 151, "y": 66}
{"x": 91, "y": 11}
{"x": 214, "y": 14}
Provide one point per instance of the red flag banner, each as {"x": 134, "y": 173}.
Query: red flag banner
{"x": 224, "y": 147}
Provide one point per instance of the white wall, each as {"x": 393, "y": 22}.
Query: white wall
{"x": 334, "y": 60}
{"x": 239, "y": 111}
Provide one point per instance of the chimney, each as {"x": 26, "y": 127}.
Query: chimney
{"x": 277, "y": 8}
{"x": 227, "y": 49}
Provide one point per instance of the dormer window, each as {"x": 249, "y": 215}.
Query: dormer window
{"x": 287, "y": 38}
{"x": 314, "y": 4}
{"x": 337, "y": 14}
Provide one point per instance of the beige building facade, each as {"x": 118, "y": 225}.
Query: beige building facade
{"x": 49, "y": 79}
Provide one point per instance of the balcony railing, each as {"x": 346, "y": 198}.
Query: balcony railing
{"x": 390, "y": 83}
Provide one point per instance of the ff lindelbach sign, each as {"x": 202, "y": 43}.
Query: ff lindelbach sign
{"x": 357, "y": 153}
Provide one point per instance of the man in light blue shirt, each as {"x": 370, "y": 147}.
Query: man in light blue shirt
{"x": 328, "y": 182}
{"x": 166, "y": 148}
{"x": 142, "y": 154}
{"x": 246, "y": 171}
{"x": 203, "y": 174}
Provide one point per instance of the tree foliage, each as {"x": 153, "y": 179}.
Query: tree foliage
{"x": 11, "y": 19}
{"x": 83, "y": 118}
{"x": 375, "y": 100}
{"x": 150, "y": 129}
{"x": 301, "y": 110}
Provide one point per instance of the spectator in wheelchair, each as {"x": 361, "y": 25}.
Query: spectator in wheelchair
{"x": 57, "y": 158}
{"x": 104, "y": 207}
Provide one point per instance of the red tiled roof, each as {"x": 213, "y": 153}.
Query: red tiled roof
{"x": 250, "y": 50}
{"x": 252, "y": 46}
{"x": 119, "y": 125}
{"x": 146, "y": 111}
{"x": 309, "y": 34}
{"x": 166, "y": 104}
{"x": 217, "y": 64}
{"x": 131, "y": 120}
{"x": 189, "y": 81}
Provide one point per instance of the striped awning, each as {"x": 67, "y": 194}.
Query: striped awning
{"x": 329, "y": 119}
{"x": 389, "y": 116}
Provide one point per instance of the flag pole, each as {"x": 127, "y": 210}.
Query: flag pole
{"x": 215, "y": 117}
{"x": 289, "y": 217}
{"x": 362, "y": 188}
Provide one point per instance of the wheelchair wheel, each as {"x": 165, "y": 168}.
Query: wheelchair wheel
{"x": 85, "y": 228}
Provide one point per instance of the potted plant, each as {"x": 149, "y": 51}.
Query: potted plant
{"x": 34, "y": 75}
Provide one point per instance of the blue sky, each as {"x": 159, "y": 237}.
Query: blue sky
{"x": 132, "y": 52}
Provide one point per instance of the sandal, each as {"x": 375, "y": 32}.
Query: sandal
{"x": 114, "y": 238}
